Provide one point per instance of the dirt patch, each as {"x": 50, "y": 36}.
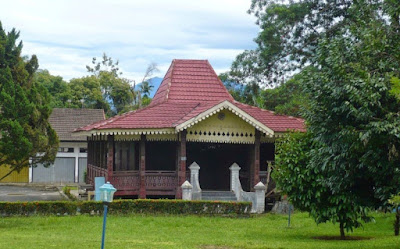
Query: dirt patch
{"x": 339, "y": 238}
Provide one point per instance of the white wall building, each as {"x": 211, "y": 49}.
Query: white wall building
{"x": 71, "y": 160}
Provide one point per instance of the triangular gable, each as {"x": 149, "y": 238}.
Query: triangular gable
{"x": 231, "y": 107}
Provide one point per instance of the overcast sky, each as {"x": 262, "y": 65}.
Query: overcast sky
{"x": 65, "y": 35}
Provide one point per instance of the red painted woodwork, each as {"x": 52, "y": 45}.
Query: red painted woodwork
{"x": 142, "y": 167}
{"x": 255, "y": 161}
{"x": 94, "y": 171}
{"x": 182, "y": 165}
{"x": 126, "y": 180}
{"x": 110, "y": 157}
{"x": 161, "y": 181}
{"x": 256, "y": 172}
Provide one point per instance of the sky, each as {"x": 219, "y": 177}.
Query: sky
{"x": 66, "y": 35}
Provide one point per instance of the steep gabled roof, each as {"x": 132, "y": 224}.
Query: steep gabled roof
{"x": 65, "y": 120}
{"x": 189, "y": 91}
{"x": 191, "y": 81}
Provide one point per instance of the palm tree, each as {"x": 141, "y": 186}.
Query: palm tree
{"x": 145, "y": 89}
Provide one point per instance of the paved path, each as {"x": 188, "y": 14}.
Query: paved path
{"x": 28, "y": 193}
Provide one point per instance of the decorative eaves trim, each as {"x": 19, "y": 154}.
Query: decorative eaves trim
{"x": 231, "y": 107}
{"x": 126, "y": 132}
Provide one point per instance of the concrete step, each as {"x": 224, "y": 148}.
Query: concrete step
{"x": 218, "y": 196}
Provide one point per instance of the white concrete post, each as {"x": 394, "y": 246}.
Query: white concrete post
{"x": 76, "y": 166}
{"x": 187, "y": 191}
{"x": 194, "y": 176}
{"x": 260, "y": 198}
{"x": 194, "y": 180}
{"x": 30, "y": 170}
{"x": 236, "y": 186}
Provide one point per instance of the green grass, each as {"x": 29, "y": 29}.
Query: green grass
{"x": 265, "y": 231}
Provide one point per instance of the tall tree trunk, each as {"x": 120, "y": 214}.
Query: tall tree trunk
{"x": 342, "y": 235}
{"x": 397, "y": 222}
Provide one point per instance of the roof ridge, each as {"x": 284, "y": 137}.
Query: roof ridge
{"x": 165, "y": 97}
{"x": 194, "y": 108}
{"x": 170, "y": 79}
{"x": 219, "y": 80}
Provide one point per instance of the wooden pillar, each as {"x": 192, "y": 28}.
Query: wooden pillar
{"x": 142, "y": 167}
{"x": 181, "y": 165}
{"x": 255, "y": 165}
{"x": 110, "y": 156}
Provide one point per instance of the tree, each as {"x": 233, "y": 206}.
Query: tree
{"x": 395, "y": 202}
{"x": 106, "y": 65}
{"x": 141, "y": 96}
{"x": 59, "y": 90}
{"x": 115, "y": 90}
{"x": 353, "y": 118}
{"x": 145, "y": 89}
{"x": 121, "y": 96}
{"x": 287, "y": 98}
{"x": 305, "y": 184}
{"x": 24, "y": 109}
{"x": 86, "y": 93}
{"x": 290, "y": 33}
{"x": 246, "y": 93}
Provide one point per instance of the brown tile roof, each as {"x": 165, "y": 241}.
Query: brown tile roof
{"x": 65, "y": 120}
{"x": 190, "y": 88}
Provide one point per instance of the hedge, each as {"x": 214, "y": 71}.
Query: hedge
{"x": 142, "y": 206}
{"x": 39, "y": 207}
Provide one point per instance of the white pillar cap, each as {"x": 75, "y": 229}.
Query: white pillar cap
{"x": 259, "y": 186}
{"x": 234, "y": 166}
{"x": 186, "y": 185}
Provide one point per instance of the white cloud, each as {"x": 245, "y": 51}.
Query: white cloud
{"x": 65, "y": 35}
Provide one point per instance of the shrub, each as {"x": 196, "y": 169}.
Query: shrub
{"x": 141, "y": 206}
{"x": 168, "y": 207}
{"x": 39, "y": 207}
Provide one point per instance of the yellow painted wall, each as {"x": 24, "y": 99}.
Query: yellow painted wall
{"x": 22, "y": 176}
{"x": 243, "y": 132}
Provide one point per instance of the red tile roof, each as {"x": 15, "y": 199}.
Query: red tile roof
{"x": 191, "y": 81}
{"x": 189, "y": 88}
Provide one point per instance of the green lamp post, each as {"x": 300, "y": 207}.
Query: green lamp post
{"x": 106, "y": 196}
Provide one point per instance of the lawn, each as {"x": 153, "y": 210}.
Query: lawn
{"x": 264, "y": 231}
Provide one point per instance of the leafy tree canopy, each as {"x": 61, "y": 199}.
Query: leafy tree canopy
{"x": 291, "y": 31}
{"x": 287, "y": 98}
{"x": 24, "y": 109}
{"x": 352, "y": 118}
{"x": 58, "y": 89}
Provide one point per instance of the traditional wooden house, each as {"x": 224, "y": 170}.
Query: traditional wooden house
{"x": 192, "y": 118}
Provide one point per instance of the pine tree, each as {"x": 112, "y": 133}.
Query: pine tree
{"x": 24, "y": 109}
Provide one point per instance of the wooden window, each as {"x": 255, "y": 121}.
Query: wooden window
{"x": 125, "y": 156}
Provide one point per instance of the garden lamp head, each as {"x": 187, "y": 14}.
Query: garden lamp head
{"x": 107, "y": 192}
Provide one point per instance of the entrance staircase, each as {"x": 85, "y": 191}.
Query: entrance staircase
{"x": 218, "y": 195}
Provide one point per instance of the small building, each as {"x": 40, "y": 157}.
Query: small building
{"x": 192, "y": 118}
{"x": 71, "y": 160}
